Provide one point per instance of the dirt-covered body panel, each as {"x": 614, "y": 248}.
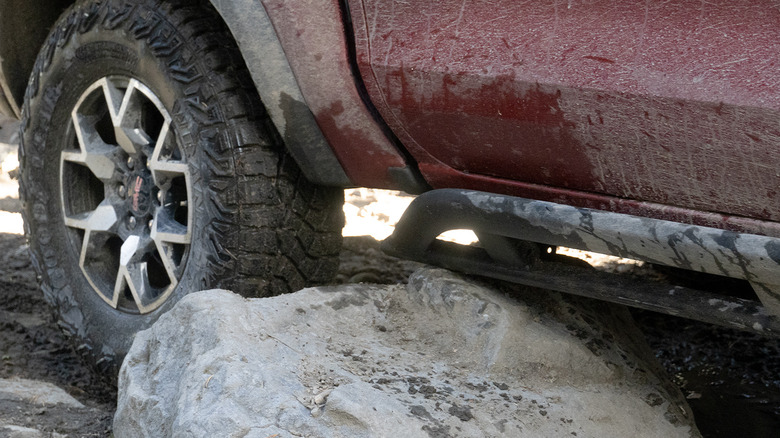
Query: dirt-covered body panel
{"x": 672, "y": 103}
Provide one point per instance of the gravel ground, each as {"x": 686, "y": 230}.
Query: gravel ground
{"x": 732, "y": 379}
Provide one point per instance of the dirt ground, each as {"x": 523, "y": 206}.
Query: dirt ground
{"x": 732, "y": 379}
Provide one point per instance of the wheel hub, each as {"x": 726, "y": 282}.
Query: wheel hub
{"x": 140, "y": 184}
{"x": 125, "y": 187}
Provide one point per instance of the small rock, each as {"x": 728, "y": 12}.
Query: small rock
{"x": 320, "y": 398}
{"x": 36, "y": 392}
{"x": 11, "y": 431}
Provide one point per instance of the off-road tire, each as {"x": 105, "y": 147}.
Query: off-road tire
{"x": 258, "y": 227}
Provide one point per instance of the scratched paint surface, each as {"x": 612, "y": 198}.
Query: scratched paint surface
{"x": 313, "y": 37}
{"x": 674, "y": 102}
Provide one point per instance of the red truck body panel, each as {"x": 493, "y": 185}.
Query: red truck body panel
{"x": 668, "y": 110}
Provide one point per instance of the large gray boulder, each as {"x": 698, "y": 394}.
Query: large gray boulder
{"x": 440, "y": 357}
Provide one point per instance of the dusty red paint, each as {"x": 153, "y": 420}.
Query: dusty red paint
{"x": 312, "y": 34}
{"x": 675, "y": 104}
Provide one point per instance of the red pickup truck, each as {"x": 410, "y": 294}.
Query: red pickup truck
{"x": 173, "y": 146}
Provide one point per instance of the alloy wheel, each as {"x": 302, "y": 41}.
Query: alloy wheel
{"x": 125, "y": 188}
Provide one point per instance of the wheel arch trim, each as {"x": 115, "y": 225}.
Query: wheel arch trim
{"x": 275, "y": 81}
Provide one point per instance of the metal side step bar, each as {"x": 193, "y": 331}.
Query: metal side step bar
{"x": 498, "y": 220}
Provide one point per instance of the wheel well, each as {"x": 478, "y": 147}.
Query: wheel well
{"x": 24, "y": 25}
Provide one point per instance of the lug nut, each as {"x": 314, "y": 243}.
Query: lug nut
{"x": 130, "y": 163}
{"x": 131, "y": 222}
{"x": 121, "y": 191}
{"x": 160, "y": 196}
{"x": 151, "y": 222}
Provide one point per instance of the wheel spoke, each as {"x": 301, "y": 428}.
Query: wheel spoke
{"x": 94, "y": 152}
{"x": 131, "y": 140}
{"x": 125, "y": 111}
{"x": 166, "y": 256}
{"x": 166, "y": 232}
{"x": 92, "y": 255}
{"x": 127, "y": 254}
{"x": 166, "y": 229}
{"x": 114, "y": 99}
{"x": 162, "y": 164}
{"x": 103, "y": 218}
{"x": 98, "y": 225}
{"x": 134, "y": 273}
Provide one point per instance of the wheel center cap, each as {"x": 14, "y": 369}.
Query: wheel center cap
{"x": 140, "y": 194}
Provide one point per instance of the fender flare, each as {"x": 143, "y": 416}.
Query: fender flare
{"x": 275, "y": 81}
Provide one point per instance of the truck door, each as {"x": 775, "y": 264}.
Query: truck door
{"x": 673, "y": 102}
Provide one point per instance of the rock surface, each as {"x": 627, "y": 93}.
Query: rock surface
{"x": 33, "y": 391}
{"x": 23, "y": 399}
{"x": 440, "y": 357}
